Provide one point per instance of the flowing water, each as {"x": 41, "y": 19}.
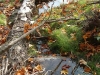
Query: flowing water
{"x": 50, "y": 62}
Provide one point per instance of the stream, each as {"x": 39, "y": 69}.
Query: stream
{"x": 50, "y": 62}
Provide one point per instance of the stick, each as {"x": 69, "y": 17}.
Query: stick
{"x": 4, "y": 47}
{"x": 74, "y": 69}
{"x": 56, "y": 67}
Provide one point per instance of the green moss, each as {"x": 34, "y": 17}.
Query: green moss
{"x": 3, "y": 19}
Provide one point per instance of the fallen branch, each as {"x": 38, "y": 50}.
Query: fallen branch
{"x": 61, "y": 19}
{"x": 8, "y": 44}
{"x": 56, "y": 67}
{"x": 75, "y": 68}
{"x": 94, "y": 2}
{"x": 47, "y": 72}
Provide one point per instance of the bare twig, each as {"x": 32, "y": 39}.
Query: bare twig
{"x": 62, "y": 19}
{"x": 8, "y": 44}
{"x": 94, "y": 2}
{"x": 6, "y": 66}
{"x": 3, "y": 66}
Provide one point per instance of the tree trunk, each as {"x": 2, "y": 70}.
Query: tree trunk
{"x": 17, "y": 54}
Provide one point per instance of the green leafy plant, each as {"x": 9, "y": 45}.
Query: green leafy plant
{"x": 66, "y": 39}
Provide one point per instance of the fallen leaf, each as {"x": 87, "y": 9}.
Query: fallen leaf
{"x": 31, "y": 60}
{"x": 82, "y": 46}
{"x": 64, "y": 72}
{"x": 73, "y": 37}
{"x": 87, "y": 69}
{"x": 97, "y": 65}
{"x": 64, "y": 67}
{"x": 82, "y": 62}
{"x": 4, "y": 57}
{"x": 30, "y": 69}
{"x": 39, "y": 67}
{"x": 22, "y": 71}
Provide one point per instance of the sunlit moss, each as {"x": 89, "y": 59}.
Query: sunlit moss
{"x": 3, "y": 20}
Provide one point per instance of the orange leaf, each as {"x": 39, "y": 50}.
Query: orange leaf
{"x": 39, "y": 67}
{"x": 47, "y": 14}
{"x": 42, "y": 14}
{"x": 49, "y": 30}
{"x": 0, "y": 12}
{"x": 64, "y": 72}
{"x": 34, "y": 25}
{"x": 31, "y": 59}
{"x": 3, "y": 40}
{"x": 82, "y": 46}
{"x": 26, "y": 27}
{"x": 87, "y": 35}
{"x": 21, "y": 71}
{"x": 87, "y": 69}
{"x": 38, "y": 20}
{"x": 28, "y": 37}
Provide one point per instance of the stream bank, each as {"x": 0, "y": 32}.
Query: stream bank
{"x": 51, "y": 62}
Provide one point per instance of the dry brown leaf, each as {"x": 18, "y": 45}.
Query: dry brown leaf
{"x": 82, "y": 46}
{"x": 39, "y": 67}
{"x": 87, "y": 69}
{"x": 82, "y": 62}
{"x": 4, "y": 57}
{"x": 98, "y": 65}
{"x": 22, "y": 71}
{"x": 64, "y": 72}
{"x": 31, "y": 59}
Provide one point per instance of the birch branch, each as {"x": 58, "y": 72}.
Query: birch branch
{"x": 8, "y": 44}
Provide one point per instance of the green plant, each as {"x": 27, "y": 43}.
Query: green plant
{"x": 81, "y": 2}
{"x": 66, "y": 39}
{"x": 32, "y": 50}
{"x": 95, "y": 59}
